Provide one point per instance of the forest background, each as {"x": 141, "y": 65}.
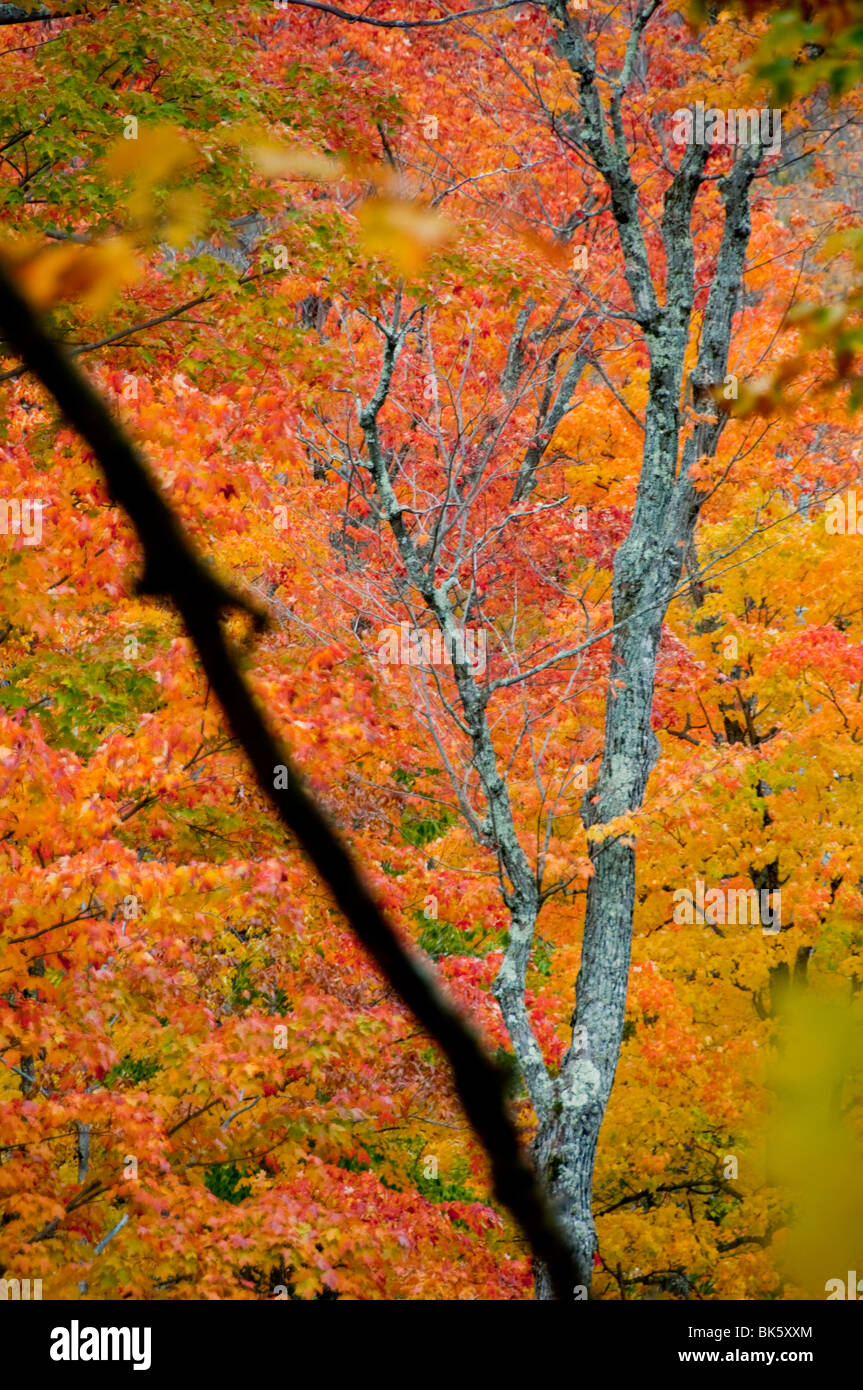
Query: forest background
{"x": 231, "y": 214}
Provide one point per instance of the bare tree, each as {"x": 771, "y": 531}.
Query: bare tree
{"x": 648, "y": 572}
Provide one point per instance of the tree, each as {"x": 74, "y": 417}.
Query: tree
{"x": 683, "y": 300}
{"x": 455, "y": 382}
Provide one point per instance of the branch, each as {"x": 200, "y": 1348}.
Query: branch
{"x": 714, "y": 347}
{"x": 178, "y": 309}
{"x": 546, "y": 425}
{"x": 86, "y": 915}
{"x": 522, "y": 900}
{"x": 610, "y": 154}
{"x": 761, "y": 1241}
{"x": 111, "y": 1234}
{"x": 401, "y": 23}
{"x": 35, "y": 14}
{"x": 616, "y": 394}
{"x": 174, "y": 569}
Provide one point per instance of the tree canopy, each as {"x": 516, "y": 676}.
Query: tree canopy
{"x": 516, "y": 433}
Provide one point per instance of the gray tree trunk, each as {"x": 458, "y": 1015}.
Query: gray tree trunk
{"x": 647, "y": 571}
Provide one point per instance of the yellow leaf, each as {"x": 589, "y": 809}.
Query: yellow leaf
{"x": 186, "y": 217}
{"x": 555, "y": 252}
{"x": 113, "y": 265}
{"x": 814, "y": 1150}
{"x": 402, "y": 232}
{"x": 278, "y": 162}
{"x": 90, "y": 273}
{"x": 156, "y": 152}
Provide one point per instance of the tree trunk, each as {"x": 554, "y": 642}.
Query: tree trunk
{"x": 566, "y": 1142}
{"x": 647, "y": 571}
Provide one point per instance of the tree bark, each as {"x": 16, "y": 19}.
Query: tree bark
{"x": 647, "y": 571}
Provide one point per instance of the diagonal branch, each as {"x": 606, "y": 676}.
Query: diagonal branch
{"x": 15, "y": 372}
{"x": 174, "y": 569}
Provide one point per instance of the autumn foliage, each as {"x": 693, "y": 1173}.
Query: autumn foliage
{"x": 218, "y": 207}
